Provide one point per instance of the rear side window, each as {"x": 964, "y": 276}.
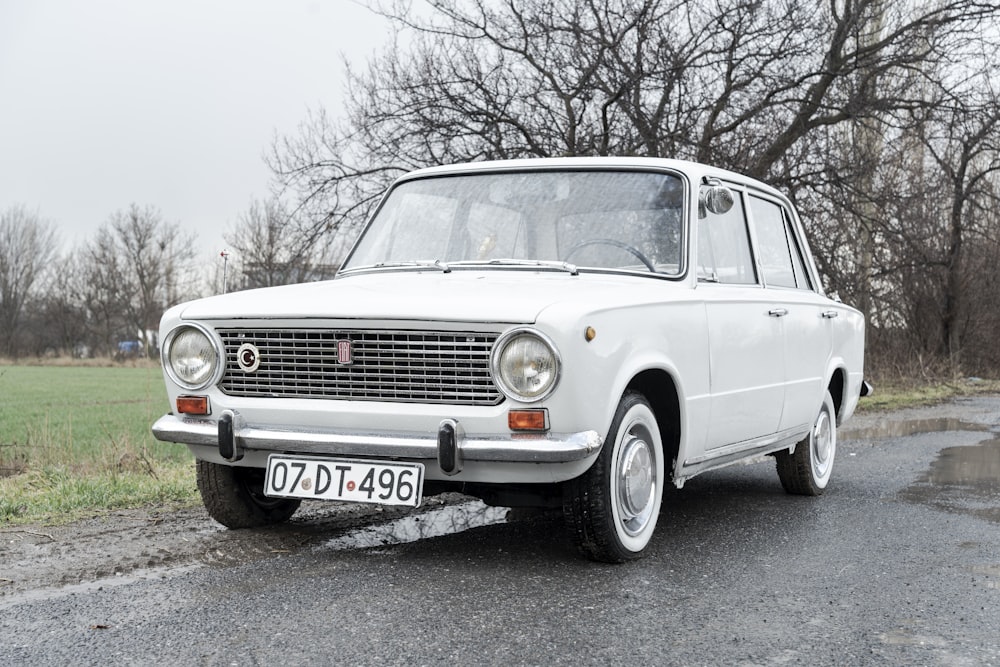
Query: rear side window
{"x": 781, "y": 258}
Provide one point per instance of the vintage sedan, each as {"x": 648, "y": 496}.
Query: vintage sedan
{"x": 560, "y": 332}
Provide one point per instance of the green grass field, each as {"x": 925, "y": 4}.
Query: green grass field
{"x": 75, "y": 440}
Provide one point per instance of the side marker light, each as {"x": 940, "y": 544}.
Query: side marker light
{"x": 528, "y": 420}
{"x": 193, "y": 405}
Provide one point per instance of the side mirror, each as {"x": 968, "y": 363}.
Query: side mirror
{"x": 715, "y": 198}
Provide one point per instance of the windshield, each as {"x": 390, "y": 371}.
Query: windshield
{"x": 619, "y": 220}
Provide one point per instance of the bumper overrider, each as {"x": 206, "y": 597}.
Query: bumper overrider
{"x": 450, "y": 452}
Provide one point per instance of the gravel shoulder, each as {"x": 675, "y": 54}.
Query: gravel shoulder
{"x": 136, "y": 544}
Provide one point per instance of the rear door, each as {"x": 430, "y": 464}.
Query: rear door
{"x": 804, "y": 314}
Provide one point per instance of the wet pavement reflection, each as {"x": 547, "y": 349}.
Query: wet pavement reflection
{"x": 902, "y": 429}
{"x": 963, "y": 480}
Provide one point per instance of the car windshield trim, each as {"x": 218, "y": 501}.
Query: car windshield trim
{"x": 568, "y": 220}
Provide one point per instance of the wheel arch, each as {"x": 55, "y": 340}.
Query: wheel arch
{"x": 836, "y": 386}
{"x": 660, "y": 390}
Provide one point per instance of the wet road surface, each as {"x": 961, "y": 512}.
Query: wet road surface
{"x": 897, "y": 564}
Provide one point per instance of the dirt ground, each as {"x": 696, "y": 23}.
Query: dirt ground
{"x": 136, "y": 544}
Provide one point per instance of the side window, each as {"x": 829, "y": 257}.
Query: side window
{"x": 798, "y": 263}
{"x": 780, "y": 257}
{"x": 724, "y": 247}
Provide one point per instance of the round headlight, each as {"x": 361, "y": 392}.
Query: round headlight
{"x": 190, "y": 357}
{"x": 525, "y": 365}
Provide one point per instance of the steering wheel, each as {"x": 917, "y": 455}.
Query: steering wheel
{"x": 617, "y": 244}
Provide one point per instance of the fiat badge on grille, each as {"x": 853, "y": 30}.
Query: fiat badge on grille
{"x": 345, "y": 355}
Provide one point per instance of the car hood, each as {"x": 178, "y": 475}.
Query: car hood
{"x": 459, "y": 296}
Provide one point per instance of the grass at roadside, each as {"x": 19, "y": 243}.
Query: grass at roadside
{"x": 75, "y": 441}
{"x": 54, "y": 495}
{"x": 897, "y": 394}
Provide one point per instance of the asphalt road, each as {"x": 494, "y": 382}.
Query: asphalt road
{"x": 897, "y": 564}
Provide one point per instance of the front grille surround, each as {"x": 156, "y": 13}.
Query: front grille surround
{"x": 404, "y": 366}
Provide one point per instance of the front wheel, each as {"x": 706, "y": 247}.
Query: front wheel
{"x": 234, "y": 496}
{"x": 807, "y": 470}
{"x": 611, "y": 509}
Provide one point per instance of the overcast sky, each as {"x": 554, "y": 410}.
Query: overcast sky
{"x": 168, "y": 103}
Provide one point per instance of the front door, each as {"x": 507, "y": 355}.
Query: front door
{"x": 745, "y": 333}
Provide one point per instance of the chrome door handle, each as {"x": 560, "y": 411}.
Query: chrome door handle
{"x": 778, "y": 312}
{"x": 830, "y": 314}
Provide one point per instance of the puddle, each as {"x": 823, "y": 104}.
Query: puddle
{"x": 435, "y": 523}
{"x": 901, "y": 429}
{"x": 963, "y": 480}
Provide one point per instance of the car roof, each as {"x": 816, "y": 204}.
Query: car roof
{"x": 695, "y": 170}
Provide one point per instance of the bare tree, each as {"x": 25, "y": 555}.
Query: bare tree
{"x": 739, "y": 83}
{"x": 136, "y": 266}
{"x": 270, "y": 249}
{"x": 60, "y": 323}
{"x": 27, "y": 244}
{"x": 875, "y": 116}
{"x": 966, "y": 151}
{"x": 909, "y": 191}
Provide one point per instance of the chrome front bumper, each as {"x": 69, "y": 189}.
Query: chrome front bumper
{"x": 449, "y": 450}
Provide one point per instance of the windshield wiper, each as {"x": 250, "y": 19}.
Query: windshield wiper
{"x": 508, "y": 261}
{"x": 424, "y": 263}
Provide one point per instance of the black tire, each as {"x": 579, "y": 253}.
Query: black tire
{"x": 611, "y": 510}
{"x": 234, "y": 496}
{"x": 807, "y": 470}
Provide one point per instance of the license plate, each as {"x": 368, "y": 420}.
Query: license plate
{"x": 349, "y": 480}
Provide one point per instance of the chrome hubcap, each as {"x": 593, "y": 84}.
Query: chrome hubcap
{"x": 636, "y": 484}
{"x": 822, "y": 444}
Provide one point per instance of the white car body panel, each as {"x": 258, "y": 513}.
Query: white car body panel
{"x": 747, "y": 381}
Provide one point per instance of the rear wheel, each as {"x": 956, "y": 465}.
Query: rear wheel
{"x": 612, "y": 508}
{"x": 807, "y": 470}
{"x": 234, "y": 496}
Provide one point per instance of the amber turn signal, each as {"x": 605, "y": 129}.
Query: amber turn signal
{"x": 192, "y": 405}
{"x": 528, "y": 420}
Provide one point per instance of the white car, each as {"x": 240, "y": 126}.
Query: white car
{"x": 561, "y": 332}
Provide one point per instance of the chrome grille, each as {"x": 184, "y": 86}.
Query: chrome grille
{"x": 402, "y": 366}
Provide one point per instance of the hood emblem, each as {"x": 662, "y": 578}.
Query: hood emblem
{"x": 248, "y": 357}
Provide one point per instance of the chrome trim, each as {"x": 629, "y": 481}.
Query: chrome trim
{"x": 402, "y": 366}
{"x": 168, "y": 341}
{"x": 498, "y": 346}
{"x": 772, "y": 442}
{"x": 519, "y": 448}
